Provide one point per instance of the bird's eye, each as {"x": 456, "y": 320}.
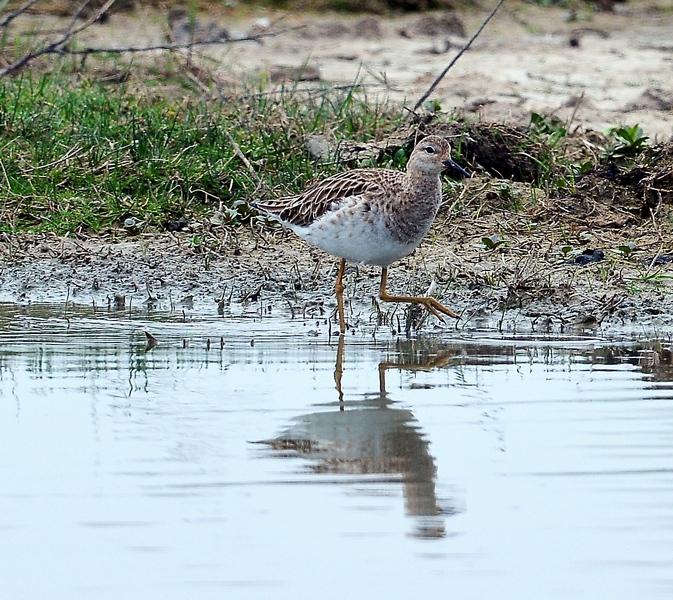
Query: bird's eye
{"x": 430, "y": 150}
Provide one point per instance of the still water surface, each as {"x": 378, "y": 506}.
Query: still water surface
{"x": 466, "y": 466}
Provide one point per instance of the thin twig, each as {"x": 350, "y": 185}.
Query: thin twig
{"x": 239, "y": 153}
{"x": 56, "y": 45}
{"x": 78, "y": 12}
{"x": 464, "y": 49}
{"x": 350, "y": 87}
{"x": 185, "y": 45}
{"x": 15, "y": 13}
{"x": 4, "y": 172}
{"x": 71, "y": 153}
{"x": 575, "y": 109}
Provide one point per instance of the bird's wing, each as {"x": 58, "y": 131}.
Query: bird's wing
{"x": 326, "y": 195}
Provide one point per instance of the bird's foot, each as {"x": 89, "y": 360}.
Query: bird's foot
{"x": 436, "y": 307}
{"x": 433, "y": 305}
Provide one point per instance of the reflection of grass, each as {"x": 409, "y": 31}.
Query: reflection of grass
{"x": 80, "y": 155}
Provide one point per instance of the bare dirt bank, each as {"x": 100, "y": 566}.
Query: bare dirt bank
{"x": 592, "y": 69}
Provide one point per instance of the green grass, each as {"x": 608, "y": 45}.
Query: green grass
{"x": 81, "y": 156}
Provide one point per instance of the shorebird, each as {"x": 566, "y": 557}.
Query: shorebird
{"x": 371, "y": 216}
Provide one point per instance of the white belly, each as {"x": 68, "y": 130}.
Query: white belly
{"x": 357, "y": 239}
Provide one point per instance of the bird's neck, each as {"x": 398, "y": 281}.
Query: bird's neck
{"x": 419, "y": 204}
{"x": 418, "y": 180}
{"x": 423, "y": 193}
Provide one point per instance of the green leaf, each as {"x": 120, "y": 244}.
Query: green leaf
{"x": 492, "y": 242}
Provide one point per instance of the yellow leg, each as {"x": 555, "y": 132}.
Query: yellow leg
{"x": 339, "y": 291}
{"x": 434, "y": 306}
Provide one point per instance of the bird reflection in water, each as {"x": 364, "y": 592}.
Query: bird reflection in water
{"x": 374, "y": 437}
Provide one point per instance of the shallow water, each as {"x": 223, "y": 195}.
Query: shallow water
{"x": 467, "y": 465}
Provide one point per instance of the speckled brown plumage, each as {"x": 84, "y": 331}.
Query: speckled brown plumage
{"x": 324, "y": 196}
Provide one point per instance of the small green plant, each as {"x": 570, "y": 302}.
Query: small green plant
{"x": 579, "y": 169}
{"x": 627, "y": 249}
{"x": 626, "y": 142}
{"x": 510, "y": 194}
{"x": 566, "y": 250}
{"x": 490, "y": 278}
{"x": 493, "y": 242}
{"x": 547, "y": 125}
{"x": 432, "y": 106}
{"x": 400, "y": 159}
{"x": 197, "y": 242}
{"x": 657, "y": 279}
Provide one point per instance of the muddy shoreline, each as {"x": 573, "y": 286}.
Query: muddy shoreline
{"x": 275, "y": 274}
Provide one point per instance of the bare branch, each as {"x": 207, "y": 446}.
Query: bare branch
{"x": 15, "y": 13}
{"x": 56, "y": 45}
{"x": 76, "y": 15}
{"x": 464, "y": 49}
{"x": 184, "y": 46}
{"x": 71, "y": 31}
{"x": 239, "y": 153}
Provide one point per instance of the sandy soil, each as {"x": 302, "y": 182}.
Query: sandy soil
{"x": 621, "y": 68}
{"x": 595, "y": 70}
{"x": 618, "y": 70}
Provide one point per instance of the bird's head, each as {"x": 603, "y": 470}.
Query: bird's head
{"x": 432, "y": 155}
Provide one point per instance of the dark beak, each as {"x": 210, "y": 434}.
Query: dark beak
{"x": 456, "y": 167}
